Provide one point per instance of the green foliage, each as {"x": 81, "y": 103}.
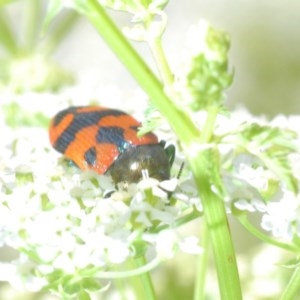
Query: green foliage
{"x": 272, "y": 146}
{"x": 15, "y": 116}
{"x": 72, "y": 286}
{"x": 206, "y": 82}
{"x": 207, "y": 76}
{"x": 153, "y": 120}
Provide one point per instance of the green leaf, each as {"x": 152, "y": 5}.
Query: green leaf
{"x": 70, "y": 286}
{"x": 83, "y": 295}
{"x": 73, "y": 285}
{"x": 91, "y": 284}
{"x": 292, "y": 263}
{"x": 54, "y": 279}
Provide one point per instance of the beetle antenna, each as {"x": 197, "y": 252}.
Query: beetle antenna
{"x": 180, "y": 170}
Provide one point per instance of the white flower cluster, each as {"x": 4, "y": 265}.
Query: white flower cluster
{"x": 58, "y": 218}
{"x": 282, "y": 217}
{"x": 281, "y": 213}
{"x": 246, "y": 179}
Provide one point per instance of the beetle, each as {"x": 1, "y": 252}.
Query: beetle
{"x": 106, "y": 140}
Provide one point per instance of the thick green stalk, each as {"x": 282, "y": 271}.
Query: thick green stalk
{"x": 206, "y": 170}
{"x": 179, "y": 120}
{"x": 219, "y": 232}
{"x": 202, "y": 264}
{"x": 292, "y": 291}
{"x": 146, "y": 281}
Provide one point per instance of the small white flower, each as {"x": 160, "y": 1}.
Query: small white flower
{"x": 257, "y": 177}
{"x": 169, "y": 185}
{"x": 282, "y": 217}
{"x": 295, "y": 164}
{"x": 191, "y": 245}
{"x": 167, "y": 244}
{"x": 169, "y": 241}
{"x": 117, "y": 251}
{"x": 21, "y": 275}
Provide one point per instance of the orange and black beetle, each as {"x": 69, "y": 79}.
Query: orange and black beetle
{"x": 106, "y": 140}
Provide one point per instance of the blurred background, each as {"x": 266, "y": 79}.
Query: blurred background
{"x": 265, "y": 47}
{"x": 265, "y": 57}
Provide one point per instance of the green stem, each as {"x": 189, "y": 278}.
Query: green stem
{"x": 179, "y": 120}
{"x": 208, "y": 129}
{"x": 7, "y": 40}
{"x": 60, "y": 31}
{"x": 126, "y": 274}
{"x": 268, "y": 239}
{"x": 146, "y": 281}
{"x": 180, "y": 221}
{"x": 199, "y": 292}
{"x": 32, "y": 15}
{"x": 206, "y": 171}
{"x": 219, "y": 232}
{"x": 291, "y": 292}
{"x": 161, "y": 61}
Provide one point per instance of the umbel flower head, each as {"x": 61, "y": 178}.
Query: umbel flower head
{"x": 67, "y": 229}
{"x": 70, "y": 233}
